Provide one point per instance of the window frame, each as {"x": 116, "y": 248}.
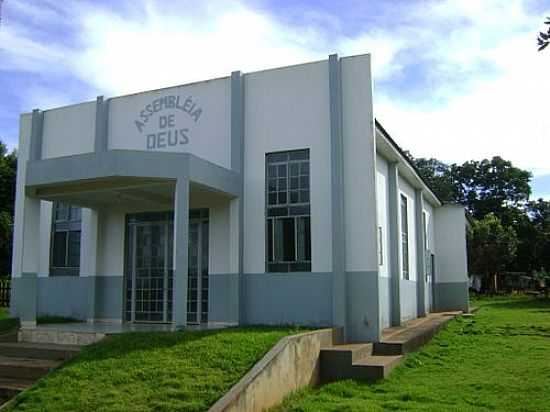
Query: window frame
{"x": 70, "y": 223}
{"x": 298, "y": 211}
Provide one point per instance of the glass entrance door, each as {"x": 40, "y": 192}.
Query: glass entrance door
{"x": 149, "y": 281}
{"x": 149, "y": 267}
{"x": 197, "y": 289}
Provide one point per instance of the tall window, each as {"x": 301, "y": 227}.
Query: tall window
{"x": 65, "y": 250}
{"x": 427, "y": 258}
{"x": 288, "y": 223}
{"x": 405, "y": 236}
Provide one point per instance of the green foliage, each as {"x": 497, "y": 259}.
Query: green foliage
{"x": 491, "y": 247}
{"x": 494, "y": 361}
{"x": 8, "y": 171}
{"x": 7, "y": 323}
{"x": 496, "y": 186}
{"x": 543, "y": 38}
{"x": 491, "y": 186}
{"x": 161, "y": 371}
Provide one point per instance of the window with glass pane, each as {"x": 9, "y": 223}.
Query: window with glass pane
{"x": 65, "y": 248}
{"x": 405, "y": 236}
{"x": 288, "y": 223}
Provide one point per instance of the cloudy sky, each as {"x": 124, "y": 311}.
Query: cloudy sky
{"x": 454, "y": 79}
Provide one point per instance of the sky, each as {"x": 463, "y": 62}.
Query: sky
{"x": 453, "y": 79}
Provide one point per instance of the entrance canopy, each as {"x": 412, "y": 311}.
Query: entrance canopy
{"x": 119, "y": 176}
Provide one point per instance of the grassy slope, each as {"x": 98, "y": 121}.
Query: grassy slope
{"x": 496, "y": 361}
{"x": 183, "y": 371}
{"x": 4, "y": 313}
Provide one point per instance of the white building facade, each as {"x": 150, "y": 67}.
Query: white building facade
{"x": 271, "y": 197}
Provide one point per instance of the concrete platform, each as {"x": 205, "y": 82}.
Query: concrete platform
{"x": 85, "y": 333}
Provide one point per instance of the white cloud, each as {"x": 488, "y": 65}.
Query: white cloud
{"x": 488, "y": 82}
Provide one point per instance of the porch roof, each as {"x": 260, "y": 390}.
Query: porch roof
{"x": 117, "y": 176}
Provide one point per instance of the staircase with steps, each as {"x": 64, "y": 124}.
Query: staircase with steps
{"x": 374, "y": 361}
{"x": 22, "y": 363}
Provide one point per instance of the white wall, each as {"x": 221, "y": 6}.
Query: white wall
{"x": 110, "y": 247}
{"x": 406, "y": 189}
{"x": 382, "y": 203}
{"x": 137, "y": 121}
{"x": 69, "y": 130}
{"x": 287, "y": 109}
{"x": 359, "y": 165}
{"x": 450, "y": 244}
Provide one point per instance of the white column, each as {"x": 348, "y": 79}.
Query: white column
{"x": 420, "y": 255}
{"x": 181, "y": 239}
{"x": 88, "y": 256}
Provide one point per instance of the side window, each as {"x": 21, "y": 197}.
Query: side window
{"x": 405, "y": 236}
{"x": 288, "y": 221}
{"x": 65, "y": 243}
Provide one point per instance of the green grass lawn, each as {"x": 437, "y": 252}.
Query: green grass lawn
{"x": 4, "y": 313}
{"x": 180, "y": 371}
{"x": 498, "y": 360}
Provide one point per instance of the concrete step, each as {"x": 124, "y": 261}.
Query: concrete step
{"x": 336, "y": 360}
{"x": 58, "y": 336}
{"x": 25, "y": 368}
{"x": 10, "y": 336}
{"x": 372, "y": 368}
{"x": 38, "y": 350}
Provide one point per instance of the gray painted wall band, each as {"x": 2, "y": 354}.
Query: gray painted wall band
{"x": 420, "y": 254}
{"x": 409, "y": 306}
{"x": 37, "y": 127}
{"x": 362, "y": 302}
{"x": 384, "y": 291}
{"x": 24, "y": 297}
{"x": 109, "y": 296}
{"x": 181, "y": 238}
{"x": 339, "y": 303}
{"x": 451, "y": 296}
{"x": 132, "y": 163}
{"x": 223, "y": 297}
{"x": 288, "y": 298}
{"x": 68, "y": 296}
{"x": 237, "y": 121}
{"x": 101, "y": 125}
{"x": 395, "y": 264}
{"x": 237, "y": 165}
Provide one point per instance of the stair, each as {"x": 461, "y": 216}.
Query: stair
{"x": 38, "y": 350}
{"x": 355, "y": 361}
{"x": 374, "y": 361}
{"x": 22, "y": 363}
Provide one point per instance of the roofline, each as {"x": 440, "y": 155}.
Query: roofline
{"x": 404, "y": 155}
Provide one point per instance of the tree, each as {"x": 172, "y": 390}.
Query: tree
{"x": 491, "y": 186}
{"x": 8, "y": 171}
{"x": 491, "y": 246}
{"x": 544, "y": 38}
{"x": 438, "y": 176}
